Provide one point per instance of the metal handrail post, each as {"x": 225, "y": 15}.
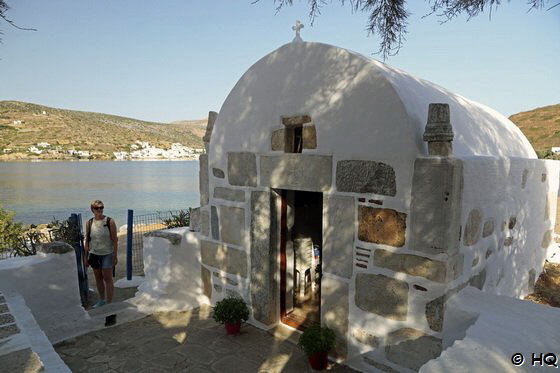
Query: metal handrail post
{"x": 129, "y": 230}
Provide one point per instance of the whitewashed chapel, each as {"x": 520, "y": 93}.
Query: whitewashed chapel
{"x": 339, "y": 190}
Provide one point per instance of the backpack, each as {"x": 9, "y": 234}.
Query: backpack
{"x": 88, "y": 228}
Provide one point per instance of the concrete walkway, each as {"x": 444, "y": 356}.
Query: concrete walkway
{"x": 188, "y": 341}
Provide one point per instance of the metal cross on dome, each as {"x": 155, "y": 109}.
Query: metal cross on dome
{"x": 298, "y": 26}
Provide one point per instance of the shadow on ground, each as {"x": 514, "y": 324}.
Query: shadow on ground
{"x": 188, "y": 341}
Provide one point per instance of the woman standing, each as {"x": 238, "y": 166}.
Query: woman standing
{"x": 101, "y": 251}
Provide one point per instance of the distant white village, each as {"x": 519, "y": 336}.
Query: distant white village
{"x": 139, "y": 150}
{"x": 144, "y": 150}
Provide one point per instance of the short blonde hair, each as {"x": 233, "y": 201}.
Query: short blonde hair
{"x": 96, "y": 203}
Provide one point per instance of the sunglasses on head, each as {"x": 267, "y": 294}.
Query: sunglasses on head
{"x": 99, "y": 207}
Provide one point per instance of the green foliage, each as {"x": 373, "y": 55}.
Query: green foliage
{"x": 65, "y": 231}
{"x": 388, "y": 19}
{"x": 11, "y": 232}
{"x": 316, "y": 339}
{"x": 180, "y": 219}
{"x": 14, "y": 240}
{"x": 547, "y": 154}
{"x": 231, "y": 309}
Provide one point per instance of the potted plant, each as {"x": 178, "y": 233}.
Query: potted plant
{"x": 316, "y": 342}
{"x": 231, "y": 311}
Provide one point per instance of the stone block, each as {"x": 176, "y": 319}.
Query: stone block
{"x": 435, "y": 311}
{"x": 436, "y": 193}
{"x": 296, "y": 120}
{"x": 334, "y": 312}
{"x": 242, "y": 169}
{"x": 218, "y": 173}
{"x": 8, "y": 330}
{"x": 173, "y": 238}
{"x": 6, "y": 318}
{"x": 412, "y": 348}
{"x": 214, "y": 223}
{"x": 488, "y": 228}
{"x": 218, "y": 288}
{"x": 24, "y": 361}
{"x": 508, "y": 241}
{"x": 478, "y": 280}
{"x": 365, "y": 177}
{"x": 531, "y": 281}
{"x": 228, "y": 194}
{"x": 338, "y": 235}
{"x": 366, "y": 338}
{"x": 194, "y": 222}
{"x": 455, "y": 266}
{"x": 263, "y": 260}
{"x": 232, "y": 225}
{"x": 547, "y": 239}
{"x": 56, "y": 247}
{"x": 306, "y": 172}
{"x": 233, "y": 293}
{"x": 309, "y": 135}
{"x": 205, "y": 223}
{"x": 212, "y": 116}
{"x": 206, "y": 281}
{"x": 225, "y": 258}
{"x": 382, "y": 226}
{"x": 524, "y": 178}
{"x": 382, "y": 295}
{"x": 472, "y": 228}
{"x": 411, "y": 264}
{"x": 278, "y": 139}
{"x": 203, "y": 179}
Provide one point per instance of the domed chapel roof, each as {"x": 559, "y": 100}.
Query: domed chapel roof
{"x": 360, "y": 107}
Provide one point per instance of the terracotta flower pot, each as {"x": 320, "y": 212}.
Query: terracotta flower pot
{"x": 319, "y": 360}
{"x": 233, "y": 328}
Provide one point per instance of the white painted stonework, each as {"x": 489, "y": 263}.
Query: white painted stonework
{"x": 49, "y": 285}
{"x": 171, "y": 274}
{"x": 417, "y": 228}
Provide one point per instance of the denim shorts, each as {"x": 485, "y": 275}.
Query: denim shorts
{"x": 101, "y": 261}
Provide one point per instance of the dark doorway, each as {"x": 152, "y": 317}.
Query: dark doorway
{"x": 300, "y": 257}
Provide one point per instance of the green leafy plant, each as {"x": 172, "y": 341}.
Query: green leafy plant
{"x": 316, "y": 339}
{"x": 15, "y": 240}
{"x": 11, "y": 232}
{"x": 66, "y": 231}
{"x": 231, "y": 310}
{"x": 180, "y": 219}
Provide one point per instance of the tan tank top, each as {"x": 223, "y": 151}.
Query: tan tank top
{"x": 100, "y": 243}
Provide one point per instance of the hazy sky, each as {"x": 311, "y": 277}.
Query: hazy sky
{"x": 177, "y": 59}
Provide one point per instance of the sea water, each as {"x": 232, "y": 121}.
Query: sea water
{"x": 42, "y": 191}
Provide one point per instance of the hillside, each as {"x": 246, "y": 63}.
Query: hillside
{"x": 541, "y": 126}
{"x": 23, "y": 125}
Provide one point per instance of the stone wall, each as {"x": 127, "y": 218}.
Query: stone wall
{"x": 507, "y": 222}
{"x": 398, "y": 241}
{"x": 367, "y": 245}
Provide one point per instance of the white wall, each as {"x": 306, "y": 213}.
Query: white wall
{"x": 512, "y": 187}
{"x": 49, "y": 285}
{"x": 172, "y": 273}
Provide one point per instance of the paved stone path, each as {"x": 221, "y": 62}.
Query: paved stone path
{"x": 188, "y": 341}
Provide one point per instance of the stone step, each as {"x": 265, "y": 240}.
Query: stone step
{"x": 110, "y": 308}
{"x": 114, "y": 314}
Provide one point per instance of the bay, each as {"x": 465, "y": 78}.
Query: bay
{"x": 42, "y": 191}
